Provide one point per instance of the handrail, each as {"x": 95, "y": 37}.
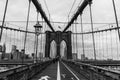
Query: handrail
{"x": 106, "y": 73}
{"x": 24, "y": 72}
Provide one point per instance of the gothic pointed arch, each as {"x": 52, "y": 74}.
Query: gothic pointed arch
{"x": 58, "y": 36}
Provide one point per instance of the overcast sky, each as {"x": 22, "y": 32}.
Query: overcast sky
{"x": 102, "y": 12}
{"x": 59, "y": 9}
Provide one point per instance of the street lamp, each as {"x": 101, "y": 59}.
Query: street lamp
{"x": 37, "y": 33}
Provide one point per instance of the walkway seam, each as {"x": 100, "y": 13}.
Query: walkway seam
{"x": 58, "y": 72}
{"x": 71, "y": 71}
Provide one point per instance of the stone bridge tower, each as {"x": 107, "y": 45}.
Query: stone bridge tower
{"x": 58, "y": 37}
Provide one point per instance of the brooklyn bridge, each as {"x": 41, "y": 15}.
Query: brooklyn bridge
{"x": 39, "y": 41}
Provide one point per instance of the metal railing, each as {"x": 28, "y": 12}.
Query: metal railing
{"x": 92, "y": 72}
{"x": 24, "y": 72}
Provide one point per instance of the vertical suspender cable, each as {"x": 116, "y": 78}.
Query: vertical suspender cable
{"x": 41, "y": 39}
{"x": 76, "y": 37}
{"x": 117, "y": 44}
{"x": 6, "y": 36}
{"x": 10, "y": 39}
{"x": 111, "y": 44}
{"x": 27, "y": 25}
{"x": 14, "y": 36}
{"x": 26, "y": 29}
{"x": 97, "y": 46}
{"x": 99, "y": 43}
{"x": 102, "y": 45}
{"x": 3, "y": 20}
{"x": 15, "y": 32}
{"x": 116, "y": 18}
{"x": 44, "y": 39}
{"x": 82, "y": 35}
{"x": 35, "y": 34}
{"x": 107, "y": 45}
{"x": 17, "y": 38}
{"x": 35, "y": 44}
{"x": 20, "y": 38}
{"x": 73, "y": 37}
{"x": 92, "y": 30}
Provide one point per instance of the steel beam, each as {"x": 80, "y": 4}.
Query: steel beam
{"x": 39, "y": 8}
{"x": 79, "y": 12}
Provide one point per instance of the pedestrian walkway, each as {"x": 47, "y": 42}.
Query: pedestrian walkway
{"x": 48, "y": 74}
{"x": 58, "y": 71}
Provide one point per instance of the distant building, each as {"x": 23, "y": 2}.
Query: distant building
{"x": 2, "y": 51}
{"x": 40, "y": 56}
{"x": 0, "y": 55}
{"x": 13, "y": 50}
{"x": 74, "y": 56}
{"x": 4, "y": 48}
{"x": 7, "y": 56}
{"x": 16, "y": 54}
{"x": 83, "y": 57}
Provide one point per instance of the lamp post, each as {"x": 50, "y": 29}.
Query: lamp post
{"x": 37, "y": 33}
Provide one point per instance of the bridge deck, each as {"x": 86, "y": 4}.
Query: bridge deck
{"x": 58, "y": 71}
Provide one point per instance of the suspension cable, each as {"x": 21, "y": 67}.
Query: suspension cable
{"x": 47, "y": 9}
{"x": 116, "y": 18}
{"x": 3, "y": 19}
{"x": 71, "y": 9}
{"x": 78, "y": 5}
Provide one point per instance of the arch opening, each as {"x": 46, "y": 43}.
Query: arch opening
{"x": 63, "y": 49}
{"x": 53, "y": 49}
